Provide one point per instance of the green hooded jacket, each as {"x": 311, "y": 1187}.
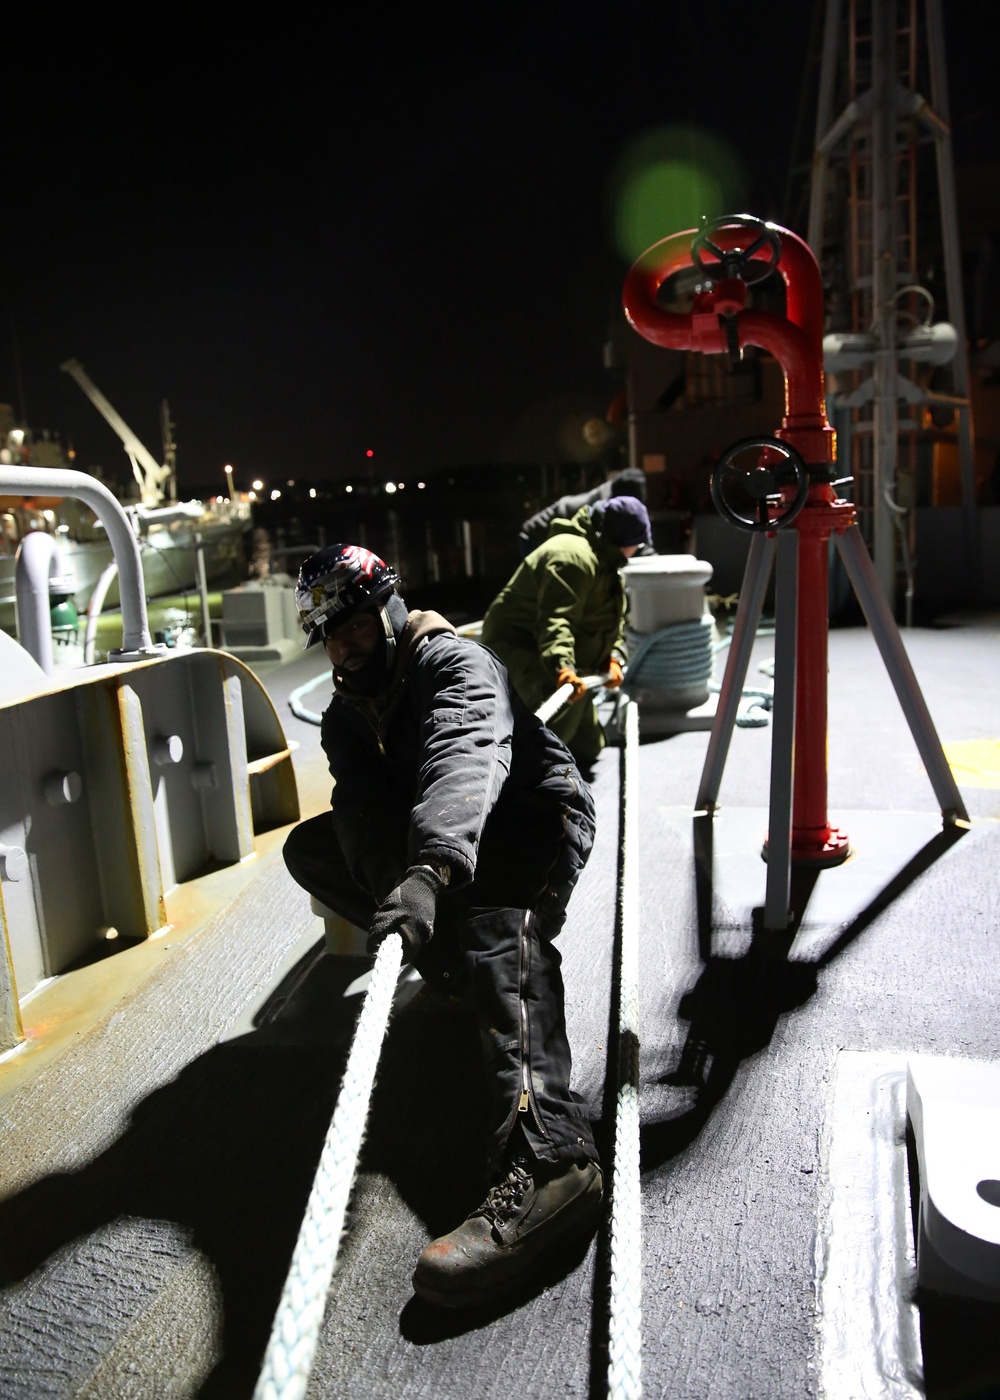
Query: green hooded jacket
{"x": 564, "y": 607}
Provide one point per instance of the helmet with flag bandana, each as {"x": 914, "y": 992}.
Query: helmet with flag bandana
{"x": 337, "y": 582}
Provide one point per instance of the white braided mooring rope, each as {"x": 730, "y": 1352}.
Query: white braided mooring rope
{"x": 292, "y": 1346}
{"x": 549, "y": 708}
{"x": 625, "y": 1327}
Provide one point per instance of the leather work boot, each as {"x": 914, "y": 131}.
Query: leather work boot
{"x": 525, "y": 1215}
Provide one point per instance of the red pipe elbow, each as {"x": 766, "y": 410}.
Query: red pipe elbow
{"x": 795, "y": 340}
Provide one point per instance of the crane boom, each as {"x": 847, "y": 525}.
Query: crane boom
{"x": 148, "y": 471}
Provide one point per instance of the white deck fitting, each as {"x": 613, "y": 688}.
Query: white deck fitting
{"x": 954, "y": 1107}
{"x": 869, "y": 1327}
{"x": 343, "y": 938}
{"x": 665, "y": 589}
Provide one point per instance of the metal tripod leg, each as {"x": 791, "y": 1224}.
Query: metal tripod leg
{"x": 779, "y": 834}
{"x": 864, "y": 580}
{"x": 755, "y": 577}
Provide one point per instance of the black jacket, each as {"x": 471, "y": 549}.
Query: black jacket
{"x": 535, "y": 530}
{"x": 451, "y": 746}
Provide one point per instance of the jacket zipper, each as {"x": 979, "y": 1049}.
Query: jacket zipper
{"x": 373, "y": 720}
{"x": 524, "y": 1101}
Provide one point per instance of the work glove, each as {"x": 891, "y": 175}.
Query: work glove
{"x": 408, "y": 910}
{"x": 613, "y": 671}
{"x": 567, "y": 676}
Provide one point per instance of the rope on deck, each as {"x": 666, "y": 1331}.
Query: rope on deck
{"x": 294, "y": 1336}
{"x": 549, "y": 708}
{"x": 295, "y": 704}
{"x": 625, "y": 1328}
{"x": 753, "y": 705}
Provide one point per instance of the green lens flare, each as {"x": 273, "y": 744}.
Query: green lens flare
{"x": 668, "y": 180}
{"x": 661, "y": 199}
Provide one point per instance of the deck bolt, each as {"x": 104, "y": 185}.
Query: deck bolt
{"x": 62, "y": 788}
{"x": 167, "y": 749}
{"x": 13, "y": 863}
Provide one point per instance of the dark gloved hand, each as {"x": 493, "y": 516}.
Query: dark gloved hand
{"x": 408, "y": 910}
{"x": 567, "y": 676}
{"x": 615, "y": 675}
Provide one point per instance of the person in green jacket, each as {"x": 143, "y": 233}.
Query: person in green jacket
{"x": 562, "y": 615}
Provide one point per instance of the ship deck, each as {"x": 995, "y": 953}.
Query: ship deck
{"x": 155, "y": 1172}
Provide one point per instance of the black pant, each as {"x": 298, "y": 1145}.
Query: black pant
{"x": 493, "y": 944}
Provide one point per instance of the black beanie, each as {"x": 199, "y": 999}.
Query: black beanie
{"x": 623, "y": 520}
{"x": 630, "y": 482}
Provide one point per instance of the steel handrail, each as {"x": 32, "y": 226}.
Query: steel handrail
{"x": 137, "y": 645}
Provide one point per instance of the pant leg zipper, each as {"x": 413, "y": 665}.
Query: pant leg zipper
{"x": 524, "y": 1102}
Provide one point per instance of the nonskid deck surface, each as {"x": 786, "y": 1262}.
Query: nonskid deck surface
{"x": 154, "y": 1178}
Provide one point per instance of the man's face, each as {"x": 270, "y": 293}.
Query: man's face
{"x": 353, "y": 643}
{"x": 628, "y": 549}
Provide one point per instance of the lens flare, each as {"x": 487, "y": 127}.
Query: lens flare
{"x": 668, "y": 180}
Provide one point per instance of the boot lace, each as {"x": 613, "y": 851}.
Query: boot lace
{"x": 504, "y": 1199}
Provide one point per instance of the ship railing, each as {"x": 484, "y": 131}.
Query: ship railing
{"x": 137, "y": 645}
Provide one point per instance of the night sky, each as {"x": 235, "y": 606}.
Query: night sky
{"x": 315, "y": 239}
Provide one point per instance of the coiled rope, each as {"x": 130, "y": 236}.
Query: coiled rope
{"x": 625, "y": 1329}
{"x": 295, "y": 1333}
{"x": 680, "y": 658}
{"x": 754, "y": 704}
{"x": 673, "y": 658}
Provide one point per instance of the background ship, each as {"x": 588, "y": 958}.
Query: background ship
{"x": 169, "y": 531}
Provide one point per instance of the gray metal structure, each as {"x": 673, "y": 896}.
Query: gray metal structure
{"x": 861, "y": 572}
{"x": 868, "y": 226}
{"x": 121, "y": 780}
{"x": 136, "y": 641}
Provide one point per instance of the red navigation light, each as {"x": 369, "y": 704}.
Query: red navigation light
{"x": 369, "y": 453}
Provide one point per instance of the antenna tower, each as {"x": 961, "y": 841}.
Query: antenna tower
{"x": 883, "y": 224}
